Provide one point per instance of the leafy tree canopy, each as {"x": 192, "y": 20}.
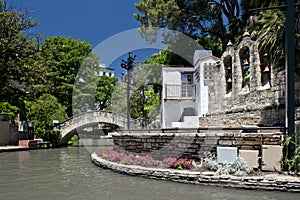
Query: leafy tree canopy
{"x": 18, "y": 57}
{"x": 44, "y": 110}
{"x": 7, "y": 109}
{"x": 66, "y": 55}
{"x": 196, "y": 18}
{"x": 104, "y": 91}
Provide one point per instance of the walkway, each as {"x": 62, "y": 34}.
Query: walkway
{"x": 12, "y": 148}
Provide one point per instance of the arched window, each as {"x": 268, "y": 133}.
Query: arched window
{"x": 228, "y": 73}
{"x": 245, "y": 64}
{"x": 265, "y": 69}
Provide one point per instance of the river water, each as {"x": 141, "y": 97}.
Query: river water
{"x": 68, "y": 173}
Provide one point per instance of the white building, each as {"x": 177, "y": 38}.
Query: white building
{"x": 104, "y": 71}
{"x": 185, "y": 91}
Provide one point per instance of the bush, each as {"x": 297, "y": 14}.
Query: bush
{"x": 238, "y": 168}
{"x": 48, "y": 135}
{"x": 73, "y": 139}
{"x": 293, "y": 164}
{"x": 8, "y": 109}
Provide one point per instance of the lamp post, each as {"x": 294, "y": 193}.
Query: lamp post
{"x": 143, "y": 98}
{"x": 128, "y": 65}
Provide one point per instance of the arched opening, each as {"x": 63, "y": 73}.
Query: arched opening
{"x": 265, "y": 69}
{"x": 228, "y": 73}
{"x": 245, "y": 64}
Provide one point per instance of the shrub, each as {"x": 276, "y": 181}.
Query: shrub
{"x": 292, "y": 164}
{"x": 8, "y": 109}
{"x": 210, "y": 162}
{"x": 48, "y": 135}
{"x": 238, "y": 168}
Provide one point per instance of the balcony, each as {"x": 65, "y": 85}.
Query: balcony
{"x": 180, "y": 92}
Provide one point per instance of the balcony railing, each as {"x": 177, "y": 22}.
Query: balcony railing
{"x": 180, "y": 91}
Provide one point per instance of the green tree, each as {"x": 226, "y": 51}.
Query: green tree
{"x": 44, "y": 110}
{"x": 19, "y": 66}
{"x": 118, "y": 99}
{"x": 83, "y": 98}
{"x": 104, "y": 91}
{"x": 66, "y": 55}
{"x": 196, "y": 18}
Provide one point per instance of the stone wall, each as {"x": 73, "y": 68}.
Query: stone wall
{"x": 239, "y": 118}
{"x": 193, "y": 145}
{"x": 234, "y": 102}
{"x": 267, "y": 182}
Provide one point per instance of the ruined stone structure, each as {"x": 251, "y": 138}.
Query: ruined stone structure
{"x": 248, "y": 90}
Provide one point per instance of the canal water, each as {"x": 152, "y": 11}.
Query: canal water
{"x": 68, "y": 173}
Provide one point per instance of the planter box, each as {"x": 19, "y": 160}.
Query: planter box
{"x": 28, "y": 143}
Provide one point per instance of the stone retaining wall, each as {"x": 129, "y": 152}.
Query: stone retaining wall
{"x": 271, "y": 182}
{"x": 192, "y": 145}
{"x": 250, "y": 116}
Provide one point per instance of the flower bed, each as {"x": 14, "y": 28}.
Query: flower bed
{"x": 145, "y": 161}
{"x": 237, "y": 168}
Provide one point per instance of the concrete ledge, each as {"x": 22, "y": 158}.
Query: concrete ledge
{"x": 13, "y": 148}
{"x": 267, "y": 182}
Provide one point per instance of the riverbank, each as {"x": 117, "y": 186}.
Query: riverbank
{"x": 23, "y": 148}
{"x": 12, "y": 148}
{"x": 270, "y": 181}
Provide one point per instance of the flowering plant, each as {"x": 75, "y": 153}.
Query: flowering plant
{"x": 145, "y": 161}
{"x": 128, "y": 159}
{"x": 182, "y": 163}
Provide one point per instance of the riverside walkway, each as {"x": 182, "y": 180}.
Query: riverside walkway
{"x": 12, "y": 148}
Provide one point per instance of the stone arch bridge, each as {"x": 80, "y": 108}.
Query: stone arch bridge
{"x": 68, "y": 127}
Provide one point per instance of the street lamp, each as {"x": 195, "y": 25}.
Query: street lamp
{"x": 128, "y": 65}
{"x": 143, "y": 98}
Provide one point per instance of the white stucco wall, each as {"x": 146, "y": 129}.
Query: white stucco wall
{"x": 172, "y": 109}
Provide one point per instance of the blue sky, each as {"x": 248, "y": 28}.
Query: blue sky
{"x": 92, "y": 20}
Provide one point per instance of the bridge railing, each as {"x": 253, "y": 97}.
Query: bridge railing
{"x": 122, "y": 119}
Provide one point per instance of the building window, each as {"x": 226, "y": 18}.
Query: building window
{"x": 187, "y": 85}
{"x": 186, "y": 78}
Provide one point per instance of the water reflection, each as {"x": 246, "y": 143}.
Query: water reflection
{"x": 68, "y": 173}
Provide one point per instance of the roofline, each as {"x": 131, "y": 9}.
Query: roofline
{"x": 203, "y": 58}
{"x": 178, "y": 66}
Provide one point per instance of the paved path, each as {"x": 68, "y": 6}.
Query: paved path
{"x": 12, "y": 148}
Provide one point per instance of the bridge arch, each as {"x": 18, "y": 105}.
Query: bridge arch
{"x": 68, "y": 127}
